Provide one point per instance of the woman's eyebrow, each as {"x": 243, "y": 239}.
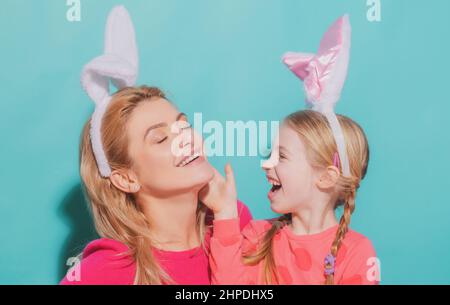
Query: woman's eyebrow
{"x": 159, "y": 125}
{"x": 163, "y": 124}
{"x": 180, "y": 115}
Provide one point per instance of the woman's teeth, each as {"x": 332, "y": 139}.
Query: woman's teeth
{"x": 188, "y": 160}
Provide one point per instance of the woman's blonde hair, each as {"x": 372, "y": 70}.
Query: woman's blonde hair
{"x": 116, "y": 214}
{"x": 315, "y": 132}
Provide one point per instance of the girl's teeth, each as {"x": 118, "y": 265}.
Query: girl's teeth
{"x": 275, "y": 183}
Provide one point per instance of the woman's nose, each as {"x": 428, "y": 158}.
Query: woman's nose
{"x": 186, "y": 137}
{"x": 182, "y": 132}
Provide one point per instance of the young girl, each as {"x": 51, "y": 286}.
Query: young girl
{"x": 317, "y": 164}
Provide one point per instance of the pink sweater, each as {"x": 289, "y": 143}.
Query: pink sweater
{"x": 299, "y": 259}
{"x": 103, "y": 264}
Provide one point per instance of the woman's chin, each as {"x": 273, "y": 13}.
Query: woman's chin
{"x": 204, "y": 173}
{"x": 201, "y": 178}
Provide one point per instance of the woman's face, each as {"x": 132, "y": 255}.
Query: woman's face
{"x": 167, "y": 155}
{"x": 289, "y": 172}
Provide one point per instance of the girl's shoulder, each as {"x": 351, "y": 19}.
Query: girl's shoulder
{"x": 358, "y": 260}
{"x": 356, "y": 244}
{"x": 357, "y": 239}
{"x": 103, "y": 261}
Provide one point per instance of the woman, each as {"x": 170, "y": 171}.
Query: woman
{"x": 143, "y": 171}
{"x": 154, "y": 229}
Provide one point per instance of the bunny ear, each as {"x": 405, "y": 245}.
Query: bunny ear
{"x": 120, "y": 41}
{"x": 298, "y": 63}
{"x": 324, "y": 74}
{"x": 119, "y": 63}
{"x": 333, "y": 59}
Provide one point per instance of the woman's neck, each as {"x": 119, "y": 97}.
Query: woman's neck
{"x": 173, "y": 220}
{"x": 316, "y": 218}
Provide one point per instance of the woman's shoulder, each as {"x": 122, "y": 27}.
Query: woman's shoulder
{"x": 104, "y": 246}
{"x": 103, "y": 261}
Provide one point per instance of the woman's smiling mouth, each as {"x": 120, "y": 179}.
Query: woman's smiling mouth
{"x": 195, "y": 158}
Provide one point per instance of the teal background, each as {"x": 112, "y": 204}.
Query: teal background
{"x": 222, "y": 58}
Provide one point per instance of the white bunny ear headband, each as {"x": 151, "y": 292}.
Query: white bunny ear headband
{"x": 118, "y": 64}
{"x": 324, "y": 76}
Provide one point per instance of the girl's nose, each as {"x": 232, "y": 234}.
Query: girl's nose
{"x": 272, "y": 161}
{"x": 274, "y": 156}
{"x": 268, "y": 164}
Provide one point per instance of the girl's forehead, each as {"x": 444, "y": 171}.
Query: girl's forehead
{"x": 290, "y": 140}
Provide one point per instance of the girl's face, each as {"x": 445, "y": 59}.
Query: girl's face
{"x": 290, "y": 174}
{"x": 167, "y": 155}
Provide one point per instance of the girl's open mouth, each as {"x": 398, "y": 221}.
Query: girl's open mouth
{"x": 276, "y": 186}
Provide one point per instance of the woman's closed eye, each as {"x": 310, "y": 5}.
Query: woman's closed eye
{"x": 161, "y": 140}
{"x": 158, "y": 137}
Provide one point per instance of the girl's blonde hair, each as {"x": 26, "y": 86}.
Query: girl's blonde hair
{"x": 116, "y": 214}
{"x": 315, "y": 132}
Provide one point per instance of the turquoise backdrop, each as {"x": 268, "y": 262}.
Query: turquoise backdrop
{"x": 222, "y": 58}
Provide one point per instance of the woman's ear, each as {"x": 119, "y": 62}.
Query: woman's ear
{"x": 125, "y": 180}
{"x": 329, "y": 178}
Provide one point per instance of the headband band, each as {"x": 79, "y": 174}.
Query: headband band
{"x": 119, "y": 65}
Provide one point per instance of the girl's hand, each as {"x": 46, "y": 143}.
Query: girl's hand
{"x": 220, "y": 195}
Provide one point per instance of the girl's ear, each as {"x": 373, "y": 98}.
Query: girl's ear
{"x": 329, "y": 178}
{"x": 125, "y": 180}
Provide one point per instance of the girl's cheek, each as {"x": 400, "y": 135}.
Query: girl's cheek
{"x": 287, "y": 182}
{"x": 286, "y": 172}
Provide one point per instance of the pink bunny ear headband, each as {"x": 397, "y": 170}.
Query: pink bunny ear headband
{"x": 118, "y": 64}
{"x": 324, "y": 76}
